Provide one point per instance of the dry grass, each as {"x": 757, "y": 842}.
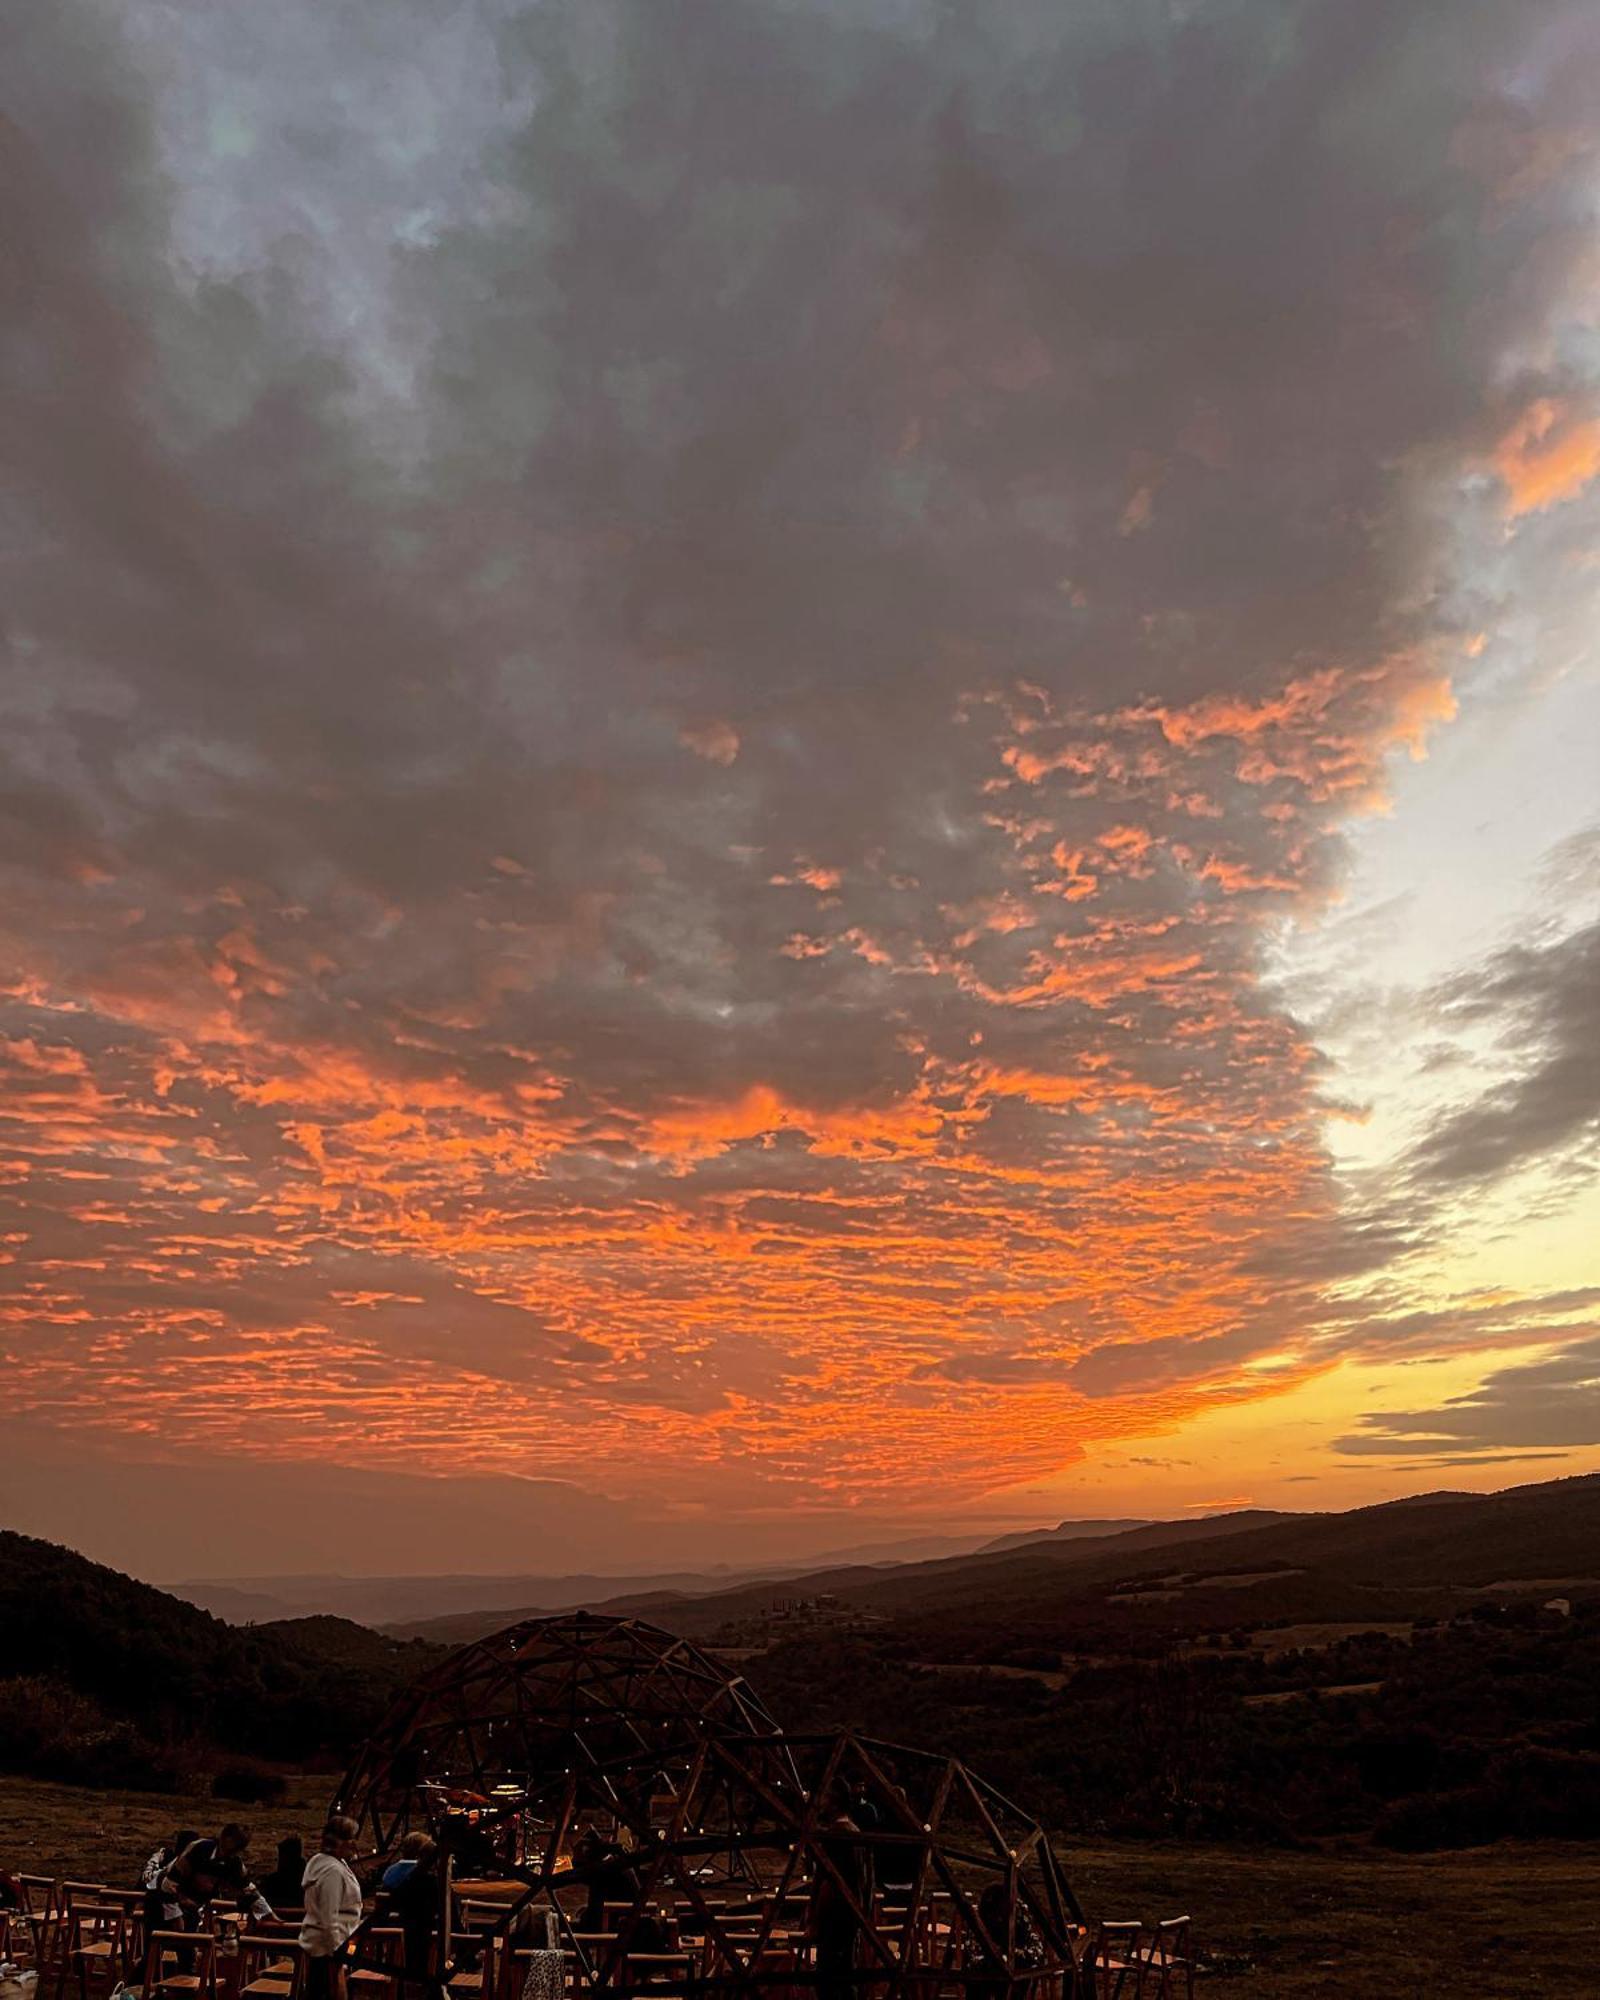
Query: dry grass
{"x": 69, "y": 1830}
{"x": 1500, "y": 1923}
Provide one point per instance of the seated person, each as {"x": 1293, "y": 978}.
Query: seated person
{"x": 405, "y": 1861}
{"x": 603, "y": 1869}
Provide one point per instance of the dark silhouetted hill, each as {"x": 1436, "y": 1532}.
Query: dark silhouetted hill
{"x": 101, "y": 1675}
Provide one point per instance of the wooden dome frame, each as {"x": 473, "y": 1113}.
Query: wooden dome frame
{"x": 763, "y": 1813}
{"x": 576, "y": 1692}
{"x": 746, "y": 1834}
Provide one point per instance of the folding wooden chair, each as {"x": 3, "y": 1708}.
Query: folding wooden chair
{"x": 97, "y": 1947}
{"x": 16, "y": 1940}
{"x": 474, "y": 1982}
{"x": 41, "y": 1906}
{"x": 1169, "y": 1960}
{"x": 387, "y": 1945}
{"x": 182, "y": 1964}
{"x": 1118, "y": 1960}
{"x": 271, "y": 1966}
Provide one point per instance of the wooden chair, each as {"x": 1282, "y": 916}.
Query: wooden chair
{"x": 476, "y": 1982}
{"x": 387, "y": 1945}
{"x": 41, "y": 1908}
{"x": 97, "y": 1946}
{"x": 1118, "y": 1960}
{"x": 16, "y": 1940}
{"x": 182, "y": 1964}
{"x": 131, "y": 1903}
{"x": 1169, "y": 1960}
{"x": 272, "y": 1966}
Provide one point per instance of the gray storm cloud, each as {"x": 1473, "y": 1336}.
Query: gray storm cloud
{"x": 718, "y": 604}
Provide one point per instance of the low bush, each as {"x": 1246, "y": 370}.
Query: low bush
{"x": 248, "y": 1785}
{"x": 49, "y": 1731}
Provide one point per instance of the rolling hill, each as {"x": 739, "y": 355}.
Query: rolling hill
{"x": 1399, "y": 1558}
{"x": 101, "y": 1673}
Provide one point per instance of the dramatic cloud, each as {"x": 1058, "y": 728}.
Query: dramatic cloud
{"x": 1543, "y": 999}
{"x": 669, "y": 668}
{"x": 1552, "y": 1401}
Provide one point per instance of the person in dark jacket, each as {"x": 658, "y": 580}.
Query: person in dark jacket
{"x": 283, "y": 1888}
{"x": 606, "y": 1872}
{"x": 838, "y": 1893}
{"x": 415, "y": 1901}
{"x": 208, "y": 1868}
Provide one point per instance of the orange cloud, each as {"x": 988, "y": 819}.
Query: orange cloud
{"x": 715, "y": 740}
{"x": 1550, "y": 454}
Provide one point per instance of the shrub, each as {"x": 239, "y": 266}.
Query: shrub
{"x": 248, "y": 1784}
{"x": 49, "y": 1731}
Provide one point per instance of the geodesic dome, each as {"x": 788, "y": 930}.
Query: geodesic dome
{"x": 778, "y": 1863}
{"x": 508, "y": 1716}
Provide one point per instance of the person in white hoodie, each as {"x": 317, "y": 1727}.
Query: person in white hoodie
{"x": 333, "y": 1909}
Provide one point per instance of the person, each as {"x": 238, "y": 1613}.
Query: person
{"x": 834, "y": 1923}
{"x": 333, "y": 1909}
{"x": 415, "y": 1899}
{"x": 161, "y": 1910}
{"x": 202, "y": 1868}
{"x": 1010, "y": 1930}
{"x": 282, "y": 1887}
{"x": 406, "y": 1861}
{"x": 602, "y": 1867}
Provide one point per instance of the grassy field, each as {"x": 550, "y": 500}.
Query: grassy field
{"x": 68, "y": 1830}
{"x": 1497, "y": 1923}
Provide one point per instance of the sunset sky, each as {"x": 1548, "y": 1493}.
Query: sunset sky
{"x": 781, "y": 771}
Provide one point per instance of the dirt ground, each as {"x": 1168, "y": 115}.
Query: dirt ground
{"x": 1494, "y": 1923}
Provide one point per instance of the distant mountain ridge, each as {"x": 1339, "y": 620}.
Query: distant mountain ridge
{"x": 703, "y": 1611}
{"x": 396, "y": 1600}
{"x": 1419, "y": 1542}
{"x": 1064, "y": 1531}
{"x": 414, "y": 1600}
{"x": 1371, "y": 1561}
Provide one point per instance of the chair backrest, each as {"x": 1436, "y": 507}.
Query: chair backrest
{"x": 259, "y": 1952}
{"x": 387, "y": 1944}
{"x": 1117, "y": 1943}
{"x": 96, "y": 1923}
{"x": 197, "y": 1949}
{"x": 88, "y": 1930}
{"x": 41, "y": 1894}
{"x": 1172, "y": 1957}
